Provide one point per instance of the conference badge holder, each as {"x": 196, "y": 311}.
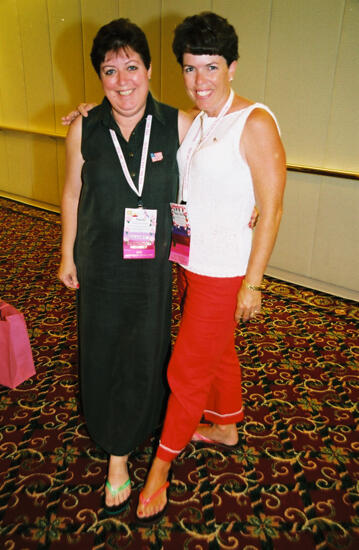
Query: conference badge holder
{"x": 181, "y": 234}
{"x": 139, "y": 233}
{"x": 140, "y": 223}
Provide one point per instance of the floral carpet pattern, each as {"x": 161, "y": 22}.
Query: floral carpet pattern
{"x": 293, "y": 481}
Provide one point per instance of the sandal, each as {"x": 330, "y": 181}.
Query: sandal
{"x": 200, "y": 438}
{"x": 148, "y": 520}
{"x": 117, "y": 509}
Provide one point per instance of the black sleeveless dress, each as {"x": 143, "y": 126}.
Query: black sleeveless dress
{"x": 124, "y": 306}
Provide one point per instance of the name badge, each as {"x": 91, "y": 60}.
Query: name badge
{"x": 181, "y": 234}
{"x": 139, "y": 233}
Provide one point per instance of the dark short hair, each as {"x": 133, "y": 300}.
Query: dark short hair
{"x": 205, "y": 34}
{"x": 120, "y": 33}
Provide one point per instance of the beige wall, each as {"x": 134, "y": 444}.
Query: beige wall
{"x": 301, "y": 57}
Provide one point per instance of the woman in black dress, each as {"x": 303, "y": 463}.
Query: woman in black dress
{"x": 113, "y": 179}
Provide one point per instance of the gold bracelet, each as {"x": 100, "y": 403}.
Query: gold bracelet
{"x": 253, "y": 287}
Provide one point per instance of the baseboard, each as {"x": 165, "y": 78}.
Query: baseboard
{"x": 314, "y": 284}
{"x": 30, "y": 202}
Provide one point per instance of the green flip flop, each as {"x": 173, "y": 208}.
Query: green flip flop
{"x": 113, "y": 510}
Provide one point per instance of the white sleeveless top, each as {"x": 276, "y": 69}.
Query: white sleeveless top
{"x": 220, "y": 196}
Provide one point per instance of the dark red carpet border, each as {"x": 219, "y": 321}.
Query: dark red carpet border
{"x": 293, "y": 482}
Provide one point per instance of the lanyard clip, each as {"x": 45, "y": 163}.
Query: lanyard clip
{"x": 139, "y": 203}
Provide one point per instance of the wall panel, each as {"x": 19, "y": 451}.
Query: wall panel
{"x": 45, "y": 186}
{"x": 67, "y": 57}
{"x": 305, "y": 37}
{"x": 294, "y": 246}
{"x": 13, "y": 93}
{"x": 4, "y": 168}
{"x": 19, "y": 161}
{"x": 251, "y": 19}
{"x": 336, "y": 242}
{"x": 38, "y": 75}
{"x": 343, "y": 138}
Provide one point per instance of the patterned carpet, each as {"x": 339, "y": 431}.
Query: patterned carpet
{"x": 293, "y": 483}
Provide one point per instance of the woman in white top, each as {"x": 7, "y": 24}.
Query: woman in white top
{"x": 231, "y": 159}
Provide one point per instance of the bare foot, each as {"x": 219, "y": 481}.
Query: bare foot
{"x": 117, "y": 476}
{"x": 226, "y": 434}
{"x": 157, "y": 477}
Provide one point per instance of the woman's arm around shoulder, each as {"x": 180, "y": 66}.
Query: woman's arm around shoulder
{"x": 185, "y": 119}
{"x": 69, "y": 204}
{"x": 83, "y": 109}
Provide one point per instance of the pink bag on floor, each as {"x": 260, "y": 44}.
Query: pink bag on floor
{"x": 16, "y": 362}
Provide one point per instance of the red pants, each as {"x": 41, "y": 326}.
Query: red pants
{"x": 204, "y": 373}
